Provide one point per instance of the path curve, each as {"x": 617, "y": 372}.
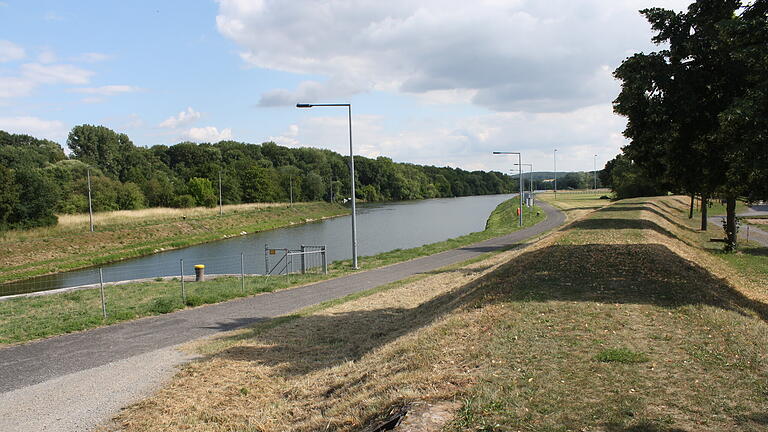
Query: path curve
{"x": 27, "y": 370}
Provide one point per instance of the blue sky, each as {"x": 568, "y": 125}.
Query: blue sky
{"x": 437, "y": 82}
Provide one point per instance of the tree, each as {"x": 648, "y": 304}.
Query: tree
{"x": 260, "y": 185}
{"x": 202, "y": 190}
{"x": 696, "y": 110}
{"x": 9, "y": 195}
{"x": 100, "y": 146}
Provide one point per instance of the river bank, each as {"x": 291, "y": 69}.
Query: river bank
{"x": 130, "y": 234}
{"x": 75, "y": 311}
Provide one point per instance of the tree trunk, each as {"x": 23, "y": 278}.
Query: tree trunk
{"x": 730, "y": 222}
{"x": 704, "y": 221}
{"x": 690, "y": 212}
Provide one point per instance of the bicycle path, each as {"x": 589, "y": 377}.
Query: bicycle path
{"x": 37, "y": 362}
{"x": 747, "y": 232}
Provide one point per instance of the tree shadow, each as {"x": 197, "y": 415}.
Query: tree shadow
{"x": 755, "y": 251}
{"x": 636, "y": 274}
{"x": 653, "y": 208}
{"x": 621, "y": 224}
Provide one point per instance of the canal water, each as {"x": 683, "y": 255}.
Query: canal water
{"x": 381, "y": 227}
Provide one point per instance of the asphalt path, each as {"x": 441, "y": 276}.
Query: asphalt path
{"x": 36, "y": 362}
{"x": 751, "y": 232}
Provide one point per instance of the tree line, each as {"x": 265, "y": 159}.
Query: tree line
{"x": 697, "y": 110}
{"x": 38, "y": 180}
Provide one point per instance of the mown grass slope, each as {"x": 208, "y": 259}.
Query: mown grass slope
{"x": 621, "y": 321}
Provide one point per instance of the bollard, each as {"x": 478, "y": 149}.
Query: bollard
{"x": 199, "y": 273}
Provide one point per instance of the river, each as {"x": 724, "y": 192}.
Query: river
{"x": 381, "y": 227}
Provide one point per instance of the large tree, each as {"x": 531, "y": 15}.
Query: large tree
{"x": 687, "y": 105}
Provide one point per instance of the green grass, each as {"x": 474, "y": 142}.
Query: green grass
{"x": 24, "y": 319}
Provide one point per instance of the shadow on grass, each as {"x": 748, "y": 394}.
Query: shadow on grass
{"x": 621, "y": 224}
{"x": 639, "y": 274}
{"x": 755, "y": 251}
{"x": 653, "y": 208}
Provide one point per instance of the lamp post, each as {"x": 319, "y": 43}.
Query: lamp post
{"x": 351, "y": 173}
{"x": 594, "y": 170}
{"x": 554, "y": 158}
{"x": 519, "y": 161}
{"x": 530, "y": 184}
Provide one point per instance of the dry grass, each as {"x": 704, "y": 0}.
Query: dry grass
{"x": 121, "y": 217}
{"x": 516, "y": 337}
{"x": 576, "y": 205}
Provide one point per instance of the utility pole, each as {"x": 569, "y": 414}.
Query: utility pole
{"x": 290, "y": 181}
{"x": 90, "y": 204}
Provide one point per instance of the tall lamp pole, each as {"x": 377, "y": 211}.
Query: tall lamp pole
{"x": 594, "y": 170}
{"x": 530, "y": 181}
{"x": 519, "y": 162}
{"x": 351, "y": 173}
{"x": 554, "y": 158}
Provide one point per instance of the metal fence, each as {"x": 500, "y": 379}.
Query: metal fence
{"x": 286, "y": 261}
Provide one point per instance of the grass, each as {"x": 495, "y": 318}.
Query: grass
{"x": 129, "y": 234}
{"x": 622, "y": 321}
{"x": 25, "y": 319}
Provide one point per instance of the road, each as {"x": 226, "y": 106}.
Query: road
{"x": 29, "y": 372}
{"x": 754, "y": 233}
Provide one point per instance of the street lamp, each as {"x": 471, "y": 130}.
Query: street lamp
{"x": 519, "y": 161}
{"x": 530, "y": 185}
{"x": 554, "y": 158}
{"x": 594, "y": 170}
{"x": 351, "y": 174}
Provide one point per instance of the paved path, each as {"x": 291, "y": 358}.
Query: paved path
{"x": 755, "y": 234}
{"x": 36, "y": 362}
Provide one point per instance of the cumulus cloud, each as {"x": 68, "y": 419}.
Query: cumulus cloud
{"x": 182, "y": 119}
{"x": 208, "y": 134}
{"x": 108, "y": 90}
{"x": 517, "y": 55}
{"x": 10, "y": 51}
{"x": 468, "y": 142}
{"x": 50, "y": 129}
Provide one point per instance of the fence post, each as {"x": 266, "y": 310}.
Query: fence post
{"x": 325, "y": 261}
{"x": 103, "y": 301}
{"x": 266, "y": 260}
{"x": 303, "y": 259}
{"x": 181, "y": 274}
{"x": 242, "y": 271}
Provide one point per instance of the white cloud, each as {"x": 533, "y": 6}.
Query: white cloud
{"x": 50, "y": 129}
{"x": 208, "y": 134}
{"x": 182, "y": 119}
{"x": 13, "y": 87}
{"x": 469, "y": 142}
{"x": 55, "y": 74}
{"x": 92, "y": 57}
{"x": 46, "y": 57}
{"x": 108, "y": 90}
{"x": 517, "y": 55}
{"x": 10, "y": 51}
{"x": 52, "y": 16}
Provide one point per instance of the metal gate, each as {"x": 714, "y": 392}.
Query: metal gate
{"x": 286, "y": 261}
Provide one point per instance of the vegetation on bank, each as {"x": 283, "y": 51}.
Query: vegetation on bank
{"x": 38, "y": 181}
{"x": 622, "y": 321}
{"x": 130, "y": 234}
{"x": 24, "y": 319}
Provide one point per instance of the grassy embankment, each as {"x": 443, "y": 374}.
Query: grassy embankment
{"x": 24, "y": 319}
{"x": 625, "y": 320}
{"x": 128, "y": 234}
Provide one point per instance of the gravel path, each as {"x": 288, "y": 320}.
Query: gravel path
{"x": 74, "y": 382}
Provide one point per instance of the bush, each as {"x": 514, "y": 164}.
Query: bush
{"x": 164, "y": 305}
{"x": 184, "y": 201}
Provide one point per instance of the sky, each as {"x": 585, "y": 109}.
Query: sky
{"x": 436, "y": 82}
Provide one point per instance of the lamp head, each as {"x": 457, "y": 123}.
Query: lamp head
{"x": 303, "y": 105}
